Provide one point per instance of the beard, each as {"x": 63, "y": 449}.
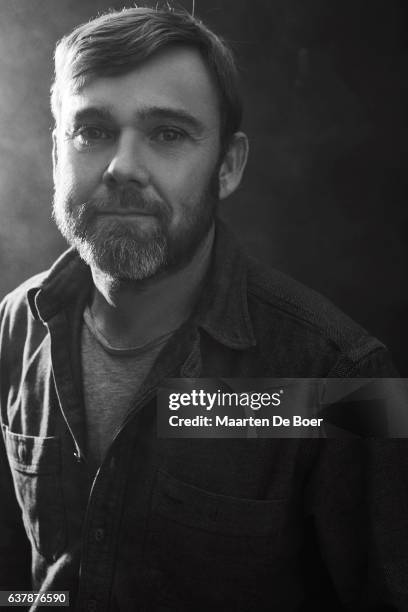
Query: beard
{"x": 123, "y": 247}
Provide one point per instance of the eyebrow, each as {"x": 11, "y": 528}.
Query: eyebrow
{"x": 175, "y": 114}
{"x": 92, "y": 112}
{"x": 106, "y": 113}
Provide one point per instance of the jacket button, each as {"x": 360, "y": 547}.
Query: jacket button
{"x": 99, "y": 535}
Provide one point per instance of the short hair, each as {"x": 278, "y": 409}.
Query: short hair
{"x": 117, "y": 42}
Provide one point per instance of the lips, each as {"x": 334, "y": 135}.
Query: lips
{"x": 124, "y": 213}
{"x": 128, "y": 202}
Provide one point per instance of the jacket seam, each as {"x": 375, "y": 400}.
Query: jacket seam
{"x": 296, "y": 312}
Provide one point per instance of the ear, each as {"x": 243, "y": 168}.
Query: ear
{"x": 54, "y": 153}
{"x": 233, "y": 165}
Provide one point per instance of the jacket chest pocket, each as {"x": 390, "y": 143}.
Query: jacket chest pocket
{"x": 35, "y": 465}
{"x": 214, "y": 549}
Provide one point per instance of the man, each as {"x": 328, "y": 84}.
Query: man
{"x": 147, "y": 141}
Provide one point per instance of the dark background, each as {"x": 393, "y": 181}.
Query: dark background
{"x": 324, "y": 197}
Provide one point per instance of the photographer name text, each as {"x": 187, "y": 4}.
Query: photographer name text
{"x": 226, "y": 421}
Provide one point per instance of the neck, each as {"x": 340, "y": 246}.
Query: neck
{"x": 131, "y": 313}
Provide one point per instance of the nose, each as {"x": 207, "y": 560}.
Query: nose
{"x": 128, "y": 163}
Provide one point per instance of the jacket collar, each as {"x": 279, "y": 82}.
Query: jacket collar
{"x": 68, "y": 278}
{"x": 222, "y": 311}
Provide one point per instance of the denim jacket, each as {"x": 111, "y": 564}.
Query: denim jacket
{"x": 195, "y": 524}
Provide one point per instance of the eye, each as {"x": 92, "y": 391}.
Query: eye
{"x": 169, "y": 135}
{"x": 90, "y": 134}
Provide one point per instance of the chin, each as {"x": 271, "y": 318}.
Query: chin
{"x": 124, "y": 259}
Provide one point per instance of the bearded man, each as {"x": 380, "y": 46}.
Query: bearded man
{"x": 147, "y": 142}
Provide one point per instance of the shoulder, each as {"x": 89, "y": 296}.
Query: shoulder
{"x": 286, "y": 298}
{"x": 15, "y": 311}
{"x": 307, "y": 326}
{"x": 44, "y": 294}
{"x": 17, "y": 299}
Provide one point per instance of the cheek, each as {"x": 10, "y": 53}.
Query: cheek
{"x": 66, "y": 185}
{"x": 75, "y": 178}
{"x": 184, "y": 184}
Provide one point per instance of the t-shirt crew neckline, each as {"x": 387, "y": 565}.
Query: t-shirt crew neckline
{"x": 122, "y": 351}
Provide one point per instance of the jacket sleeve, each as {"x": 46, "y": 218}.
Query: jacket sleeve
{"x": 357, "y": 500}
{"x": 15, "y": 555}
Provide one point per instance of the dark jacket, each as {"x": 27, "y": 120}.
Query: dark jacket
{"x": 193, "y": 524}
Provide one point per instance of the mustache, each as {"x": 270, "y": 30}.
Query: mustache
{"x": 125, "y": 199}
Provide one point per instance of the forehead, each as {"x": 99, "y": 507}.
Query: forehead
{"x": 176, "y": 77}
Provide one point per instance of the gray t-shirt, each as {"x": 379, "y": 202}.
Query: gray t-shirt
{"x": 112, "y": 378}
